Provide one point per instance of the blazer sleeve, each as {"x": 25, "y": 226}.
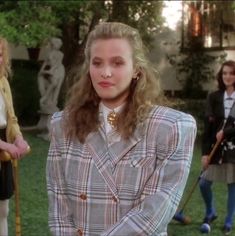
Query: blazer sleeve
{"x": 60, "y": 218}
{"x": 165, "y": 187}
{"x": 13, "y": 128}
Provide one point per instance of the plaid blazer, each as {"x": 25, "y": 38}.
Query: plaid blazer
{"x": 130, "y": 188}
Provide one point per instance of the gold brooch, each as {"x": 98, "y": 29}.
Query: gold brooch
{"x": 112, "y": 118}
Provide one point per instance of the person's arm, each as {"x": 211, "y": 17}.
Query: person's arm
{"x": 16, "y": 144}
{"x": 165, "y": 187}
{"x": 209, "y": 127}
{"x": 13, "y": 128}
{"x": 60, "y": 220}
{"x": 229, "y": 129}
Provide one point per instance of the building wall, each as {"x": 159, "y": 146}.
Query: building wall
{"x": 20, "y": 52}
{"x": 167, "y": 43}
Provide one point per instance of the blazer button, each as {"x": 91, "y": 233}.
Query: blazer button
{"x": 80, "y": 233}
{"x": 114, "y": 198}
{"x": 83, "y": 196}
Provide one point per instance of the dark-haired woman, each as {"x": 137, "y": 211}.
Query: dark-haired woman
{"x": 219, "y": 127}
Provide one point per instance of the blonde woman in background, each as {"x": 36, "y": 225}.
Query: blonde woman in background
{"x": 11, "y": 139}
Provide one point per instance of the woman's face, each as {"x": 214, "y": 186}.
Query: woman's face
{"x": 111, "y": 70}
{"x": 228, "y": 76}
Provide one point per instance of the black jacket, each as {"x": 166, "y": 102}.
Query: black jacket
{"x": 214, "y": 119}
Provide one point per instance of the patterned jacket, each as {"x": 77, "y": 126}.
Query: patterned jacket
{"x": 130, "y": 188}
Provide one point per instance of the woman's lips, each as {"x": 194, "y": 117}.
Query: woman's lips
{"x": 105, "y": 84}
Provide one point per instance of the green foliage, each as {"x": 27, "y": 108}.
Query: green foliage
{"x": 195, "y": 107}
{"x": 194, "y": 67}
{"x": 29, "y": 23}
{"x": 32, "y": 22}
{"x": 143, "y": 15}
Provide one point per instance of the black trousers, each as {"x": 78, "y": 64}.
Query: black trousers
{"x": 6, "y": 175}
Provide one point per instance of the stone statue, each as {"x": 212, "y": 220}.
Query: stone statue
{"x": 50, "y": 77}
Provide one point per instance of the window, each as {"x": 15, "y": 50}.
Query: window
{"x": 208, "y": 24}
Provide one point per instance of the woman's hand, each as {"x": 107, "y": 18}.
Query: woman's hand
{"x": 205, "y": 162}
{"x": 220, "y": 135}
{"x": 12, "y": 149}
{"x": 22, "y": 145}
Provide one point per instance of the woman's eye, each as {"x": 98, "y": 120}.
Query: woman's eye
{"x": 118, "y": 63}
{"x": 96, "y": 63}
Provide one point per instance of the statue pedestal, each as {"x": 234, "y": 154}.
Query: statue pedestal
{"x": 44, "y": 125}
{"x": 44, "y": 122}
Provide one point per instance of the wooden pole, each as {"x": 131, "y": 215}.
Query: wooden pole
{"x": 17, "y": 197}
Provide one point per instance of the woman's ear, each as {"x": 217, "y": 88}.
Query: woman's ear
{"x": 136, "y": 74}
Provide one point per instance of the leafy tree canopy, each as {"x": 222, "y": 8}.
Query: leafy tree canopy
{"x": 28, "y": 23}
{"x": 32, "y": 22}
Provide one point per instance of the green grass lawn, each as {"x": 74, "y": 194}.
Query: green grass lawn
{"x": 195, "y": 207}
{"x": 33, "y": 197}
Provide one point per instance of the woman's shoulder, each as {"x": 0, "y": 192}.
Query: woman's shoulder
{"x": 4, "y": 84}
{"x": 216, "y": 94}
{"x": 56, "y": 124}
{"x": 4, "y": 80}
{"x": 168, "y": 114}
{"x": 57, "y": 117}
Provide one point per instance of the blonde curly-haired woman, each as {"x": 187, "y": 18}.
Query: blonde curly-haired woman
{"x": 11, "y": 139}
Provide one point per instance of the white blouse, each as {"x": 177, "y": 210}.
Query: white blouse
{"x": 3, "y": 114}
{"x": 111, "y": 133}
{"x": 228, "y": 103}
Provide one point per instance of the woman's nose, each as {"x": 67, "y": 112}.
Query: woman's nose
{"x": 106, "y": 73}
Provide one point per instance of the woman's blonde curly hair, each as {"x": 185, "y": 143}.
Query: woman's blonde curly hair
{"x": 5, "y": 67}
{"x": 81, "y": 114}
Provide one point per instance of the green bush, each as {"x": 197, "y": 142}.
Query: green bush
{"x": 25, "y": 91}
{"x": 195, "y": 107}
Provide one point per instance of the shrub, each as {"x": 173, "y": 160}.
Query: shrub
{"x": 195, "y": 107}
{"x": 25, "y": 91}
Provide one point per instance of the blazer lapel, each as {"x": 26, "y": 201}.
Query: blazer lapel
{"x": 119, "y": 149}
{"x": 98, "y": 149}
{"x": 105, "y": 158}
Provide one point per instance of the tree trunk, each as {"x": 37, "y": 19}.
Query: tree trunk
{"x": 73, "y": 50}
{"x": 119, "y": 11}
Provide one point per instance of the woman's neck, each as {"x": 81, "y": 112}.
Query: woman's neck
{"x": 230, "y": 90}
